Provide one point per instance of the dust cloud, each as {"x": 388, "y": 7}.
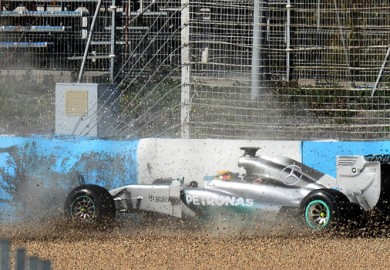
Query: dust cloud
{"x": 34, "y": 200}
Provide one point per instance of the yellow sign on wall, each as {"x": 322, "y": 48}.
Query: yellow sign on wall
{"x": 76, "y": 103}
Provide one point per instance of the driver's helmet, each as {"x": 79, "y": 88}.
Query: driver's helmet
{"x": 224, "y": 175}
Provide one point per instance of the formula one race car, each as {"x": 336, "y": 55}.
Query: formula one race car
{"x": 269, "y": 185}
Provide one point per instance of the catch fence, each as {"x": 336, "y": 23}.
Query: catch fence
{"x": 225, "y": 69}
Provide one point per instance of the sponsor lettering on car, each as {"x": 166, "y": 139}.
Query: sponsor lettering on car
{"x": 158, "y": 199}
{"x": 219, "y": 201}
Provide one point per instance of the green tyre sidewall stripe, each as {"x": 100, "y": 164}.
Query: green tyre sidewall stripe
{"x": 328, "y": 215}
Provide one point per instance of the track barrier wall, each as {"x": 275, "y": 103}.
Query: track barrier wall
{"x": 38, "y": 172}
{"x": 321, "y": 155}
{"x": 43, "y": 169}
{"x": 194, "y": 159}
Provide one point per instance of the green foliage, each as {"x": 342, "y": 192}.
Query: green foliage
{"x": 144, "y": 94}
{"x": 150, "y": 106}
{"x": 26, "y": 105}
{"x": 333, "y": 102}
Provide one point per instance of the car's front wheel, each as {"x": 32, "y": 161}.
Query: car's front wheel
{"x": 90, "y": 203}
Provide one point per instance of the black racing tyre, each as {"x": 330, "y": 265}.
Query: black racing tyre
{"x": 90, "y": 203}
{"x": 325, "y": 208}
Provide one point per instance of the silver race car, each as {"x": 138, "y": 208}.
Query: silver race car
{"x": 268, "y": 185}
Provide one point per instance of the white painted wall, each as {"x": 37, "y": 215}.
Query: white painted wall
{"x": 194, "y": 159}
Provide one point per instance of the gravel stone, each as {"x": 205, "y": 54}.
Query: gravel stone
{"x": 168, "y": 243}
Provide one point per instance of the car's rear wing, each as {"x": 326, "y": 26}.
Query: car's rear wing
{"x": 359, "y": 178}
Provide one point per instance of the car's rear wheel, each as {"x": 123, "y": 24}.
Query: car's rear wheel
{"x": 325, "y": 208}
{"x": 90, "y": 203}
{"x": 318, "y": 214}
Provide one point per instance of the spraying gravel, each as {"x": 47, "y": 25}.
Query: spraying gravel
{"x": 153, "y": 242}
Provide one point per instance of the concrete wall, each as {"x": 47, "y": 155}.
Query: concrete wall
{"x": 38, "y": 172}
{"x": 194, "y": 159}
{"x": 36, "y": 165}
{"x": 321, "y": 155}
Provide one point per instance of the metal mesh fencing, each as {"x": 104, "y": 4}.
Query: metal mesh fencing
{"x": 237, "y": 69}
{"x": 292, "y": 70}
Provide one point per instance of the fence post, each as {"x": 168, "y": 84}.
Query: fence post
{"x": 20, "y": 260}
{"x": 33, "y": 263}
{"x": 4, "y": 256}
{"x": 37, "y": 264}
{"x": 185, "y": 70}
{"x": 46, "y": 265}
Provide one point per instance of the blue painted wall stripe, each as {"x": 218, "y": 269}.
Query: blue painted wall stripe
{"x": 48, "y": 161}
{"x": 321, "y": 155}
{"x": 57, "y": 160}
